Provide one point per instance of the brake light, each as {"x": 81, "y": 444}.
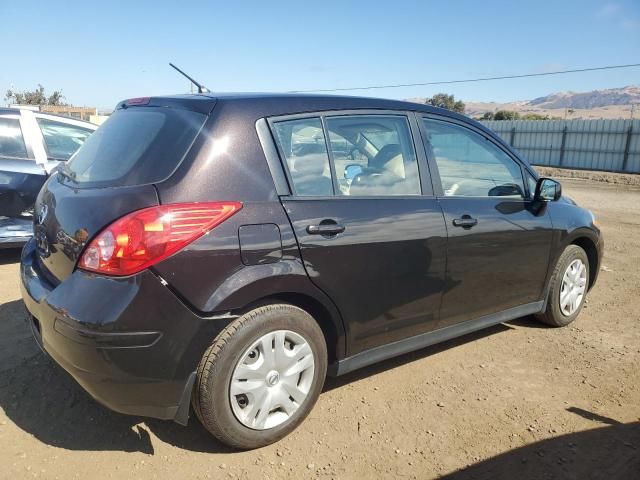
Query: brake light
{"x": 145, "y": 237}
{"x": 138, "y": 101}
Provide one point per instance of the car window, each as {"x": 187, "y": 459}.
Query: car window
{"x": 135, "y": 146}
{"x": 303, "y": 144}
{"x": 11, "y": 141}
{"x": 470, "y": 165}
{"x": 532, "y": 182}
{"x": 62, "y": 139}
{"x": 373, "y": 155}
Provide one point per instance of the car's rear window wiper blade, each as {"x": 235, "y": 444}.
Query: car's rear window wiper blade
{"x": 70, "y": 175}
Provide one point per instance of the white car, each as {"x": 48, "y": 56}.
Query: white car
{"x": 32, "y": 144}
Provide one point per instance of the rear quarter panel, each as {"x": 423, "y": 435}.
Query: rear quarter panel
{"x": 227, "y": 163}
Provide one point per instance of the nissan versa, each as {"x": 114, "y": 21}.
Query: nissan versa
{"x": 227, "y": 252}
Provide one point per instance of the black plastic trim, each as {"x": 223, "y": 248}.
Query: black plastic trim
{"x": 273, "y": 159}
{"x": 182, "y": 414}
{"x": 106, "y": 340}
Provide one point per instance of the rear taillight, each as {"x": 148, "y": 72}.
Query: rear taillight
{"x": 145, "y": 237}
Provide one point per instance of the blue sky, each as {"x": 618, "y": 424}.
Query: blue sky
{"x": 101, "y": 52}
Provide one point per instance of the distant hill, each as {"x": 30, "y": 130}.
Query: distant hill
{"x": 610, "y": 103}
{"x": 593, "y": 99}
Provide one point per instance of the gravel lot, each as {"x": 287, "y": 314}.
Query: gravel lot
{"x": 518, "y": 400}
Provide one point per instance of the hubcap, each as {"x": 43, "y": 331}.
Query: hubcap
{"x": 271, "y": 380}
{"x": 574, "y": 285}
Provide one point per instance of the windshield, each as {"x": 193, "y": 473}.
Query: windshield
{"x": 135, "y": 146}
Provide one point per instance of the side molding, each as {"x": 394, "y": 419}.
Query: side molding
{"x": 384, "y": 352}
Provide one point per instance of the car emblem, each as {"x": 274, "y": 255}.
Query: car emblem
{"x": 43, "y": 214}
{"x": 272, "y": 378}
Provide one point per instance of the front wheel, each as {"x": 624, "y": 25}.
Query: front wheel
{"x": 568, "y": 288}
{"x": 261, "y": 376}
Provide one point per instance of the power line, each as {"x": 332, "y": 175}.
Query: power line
{"x": 470, "y": 80}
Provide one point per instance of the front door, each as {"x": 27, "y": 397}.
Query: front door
{"x": 367, "y": 235}
{"x": 20, "y": 176}
{"x": 498, "y": 243}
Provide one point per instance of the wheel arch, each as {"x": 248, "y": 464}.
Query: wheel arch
{"x": 334, "y": 338}
{"x": 590, "y": 248}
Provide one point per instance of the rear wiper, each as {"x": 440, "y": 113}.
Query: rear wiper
{"x": 67, "y": 174}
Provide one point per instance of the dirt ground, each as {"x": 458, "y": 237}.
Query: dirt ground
{"x": 518, "y": 400}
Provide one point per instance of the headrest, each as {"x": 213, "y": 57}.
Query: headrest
{"x": 385, "y": 154}
{"x": 311, "y": 164}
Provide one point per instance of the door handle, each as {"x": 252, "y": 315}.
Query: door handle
{"x": 325, "y": 229}
{"x": 465, "y": 222}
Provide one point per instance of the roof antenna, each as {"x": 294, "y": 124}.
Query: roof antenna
{"x": 201, "y": 88}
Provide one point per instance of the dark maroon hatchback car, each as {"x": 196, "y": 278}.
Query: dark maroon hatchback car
{"x": 223, "y": 253}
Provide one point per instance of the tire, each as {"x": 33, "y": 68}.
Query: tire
{"x": 212, "y": 397}
{"x": 554, "y": 314}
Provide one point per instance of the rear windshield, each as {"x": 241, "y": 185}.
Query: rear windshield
{"x": 135, "y": 146}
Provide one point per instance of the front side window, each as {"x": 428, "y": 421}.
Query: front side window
{"x": 62, "y": 139}
{"x": 470, "y": 165}
{"x": 11, "y": 140}
{"x": 303, "y": 145}
{"x": 531, "y": 182}
{"x": 373, "y": 155}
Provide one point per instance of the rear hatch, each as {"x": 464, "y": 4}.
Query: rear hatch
{"x": 113, "y": 174}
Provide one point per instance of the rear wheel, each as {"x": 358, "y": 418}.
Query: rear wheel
{"x": 568, "y": 288}
{"x": 261, "y": 376}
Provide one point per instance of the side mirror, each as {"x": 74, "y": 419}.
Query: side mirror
{"x": 548, "y": 189}
{"x": 353, "y": 170}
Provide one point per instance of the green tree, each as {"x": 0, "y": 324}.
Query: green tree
{"x": 447, "y": 101}
{"x": 506, "y": 115}
{"x": 35, "y": 97}
{"x": 535, "y": 116}
{"x": 510, "y": 115}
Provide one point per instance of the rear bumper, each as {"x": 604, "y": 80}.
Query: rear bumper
{"x": 129, "y": 342}
{"x": 15, "y": 232}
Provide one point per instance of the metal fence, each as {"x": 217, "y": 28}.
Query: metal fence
{"x": 609, "y": 145}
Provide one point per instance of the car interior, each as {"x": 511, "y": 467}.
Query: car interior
{"x": 380, "y": 147}
{"x": 471, "y": 166}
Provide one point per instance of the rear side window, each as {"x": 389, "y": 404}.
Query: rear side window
{"x": 62, "y": 139}
{"x": 303, "y": 144}
{"x": 373, "y": 155}
{"x": 11, "y": 140}
{"x": 369, "y": 155}
{"x": 135, "y": 146}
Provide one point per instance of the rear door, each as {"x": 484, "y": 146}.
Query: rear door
{"x": 20, "y": 176}
{"x": 499, "y": 243}
{"x": 371, "y": 233}
{"x": 60, "y": 138}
